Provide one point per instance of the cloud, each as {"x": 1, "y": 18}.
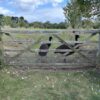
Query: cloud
{"x": 32, "y": 10}
{"x": 56, "y": 2}
{"x": 5, "y": 11}
{"x": 54, "y": 14}
{"x": 32, "y": 4}
{"x": 1, "y": 0}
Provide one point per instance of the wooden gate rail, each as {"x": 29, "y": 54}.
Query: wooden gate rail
{"x": 77, "y": 31}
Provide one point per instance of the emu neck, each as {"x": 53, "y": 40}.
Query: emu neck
{"x": 76, "y": 39}
{"x": 49, "y": 44}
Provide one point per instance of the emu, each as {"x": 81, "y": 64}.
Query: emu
{"x": 65, "y": 47}
{"x": 43, "y": 50}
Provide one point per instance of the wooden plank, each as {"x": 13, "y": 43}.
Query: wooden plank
{"x": 18, "y": 41}
{"x": 51, "y": 64}
{"x": 36, "y": 50}
{"x": 54, "y": 42}
{"x": 78, "y": 31}
{"x": 56, "y": 68}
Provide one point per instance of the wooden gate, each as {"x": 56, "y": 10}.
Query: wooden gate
{"x": 22, "y": 50}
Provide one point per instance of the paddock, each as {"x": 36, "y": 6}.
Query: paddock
{"x": 23, "y": 52}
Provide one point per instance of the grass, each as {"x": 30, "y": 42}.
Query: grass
{"x": 42, "y": 85}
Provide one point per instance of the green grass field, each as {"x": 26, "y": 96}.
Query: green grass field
{"x": 45, "y": 85}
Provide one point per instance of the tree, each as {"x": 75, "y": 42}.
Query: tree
{"x": 73, "y": 14}
{"x": 36, "y": 24}
{"x": 55, "y": 26}
{"x": 14, "y": 22}
{"x": 47, "y": 24}
{"x": 90, "y": 8}
{"x": 1, "y": 19}
{"x": 7, "y": 20}
{"x": 21, "y": 21}
{"x": 26, "y": 24}
{"x": 62, "y": 25}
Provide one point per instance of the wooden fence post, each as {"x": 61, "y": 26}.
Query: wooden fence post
{"x": 1, "y": 46}
{"x": 1, "y": 50}
{"x": 98, "y": 53}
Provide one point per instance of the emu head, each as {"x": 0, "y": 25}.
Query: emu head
{"x": 50, "y": 38}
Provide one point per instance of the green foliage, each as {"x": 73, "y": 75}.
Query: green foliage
{"x": 48, "y": 25}
{"x": 22, "y": 22}
{"x": 7, "y": 20}
{"x": 15, "y": 22}
{"x": 86, "y": 23}
{"x": 1, "y": 20}
{"x": 97, "y": 22}
{"x": 78, "y": 13}
{"x": 36, "y": 25}
{"x": 85, "y": 7}
{"x": 88, "y": 6}
{"x": 73, "y": 14}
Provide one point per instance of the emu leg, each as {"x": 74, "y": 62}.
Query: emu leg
{"x": 64, "y": 60}
{"x": 44, "y": 59}
{"x": 68, "y": 54}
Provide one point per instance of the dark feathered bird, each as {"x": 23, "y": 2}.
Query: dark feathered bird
{"x": 45, "y": 47}
{"x": 65, "y": 47}
{"x": 62, "y": 49}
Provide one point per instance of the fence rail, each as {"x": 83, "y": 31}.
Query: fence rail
{"x": 78, "y": 31}
{"x": 36, "y": 50}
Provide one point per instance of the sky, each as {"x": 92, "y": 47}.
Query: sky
{"x": 35, "y": 10}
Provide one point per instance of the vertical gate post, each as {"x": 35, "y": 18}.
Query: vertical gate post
{"x": 1, "y": 45}
{"x": 1, "y": 50}
{"x": 98, "y": 53}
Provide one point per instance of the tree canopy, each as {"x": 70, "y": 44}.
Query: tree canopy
{"x": 89, "y": 7}
{"x": 79, "y": 13}
{"x": 73, "y": 14}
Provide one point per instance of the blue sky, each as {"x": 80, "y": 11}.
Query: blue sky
{"x": 34, "y": 10}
